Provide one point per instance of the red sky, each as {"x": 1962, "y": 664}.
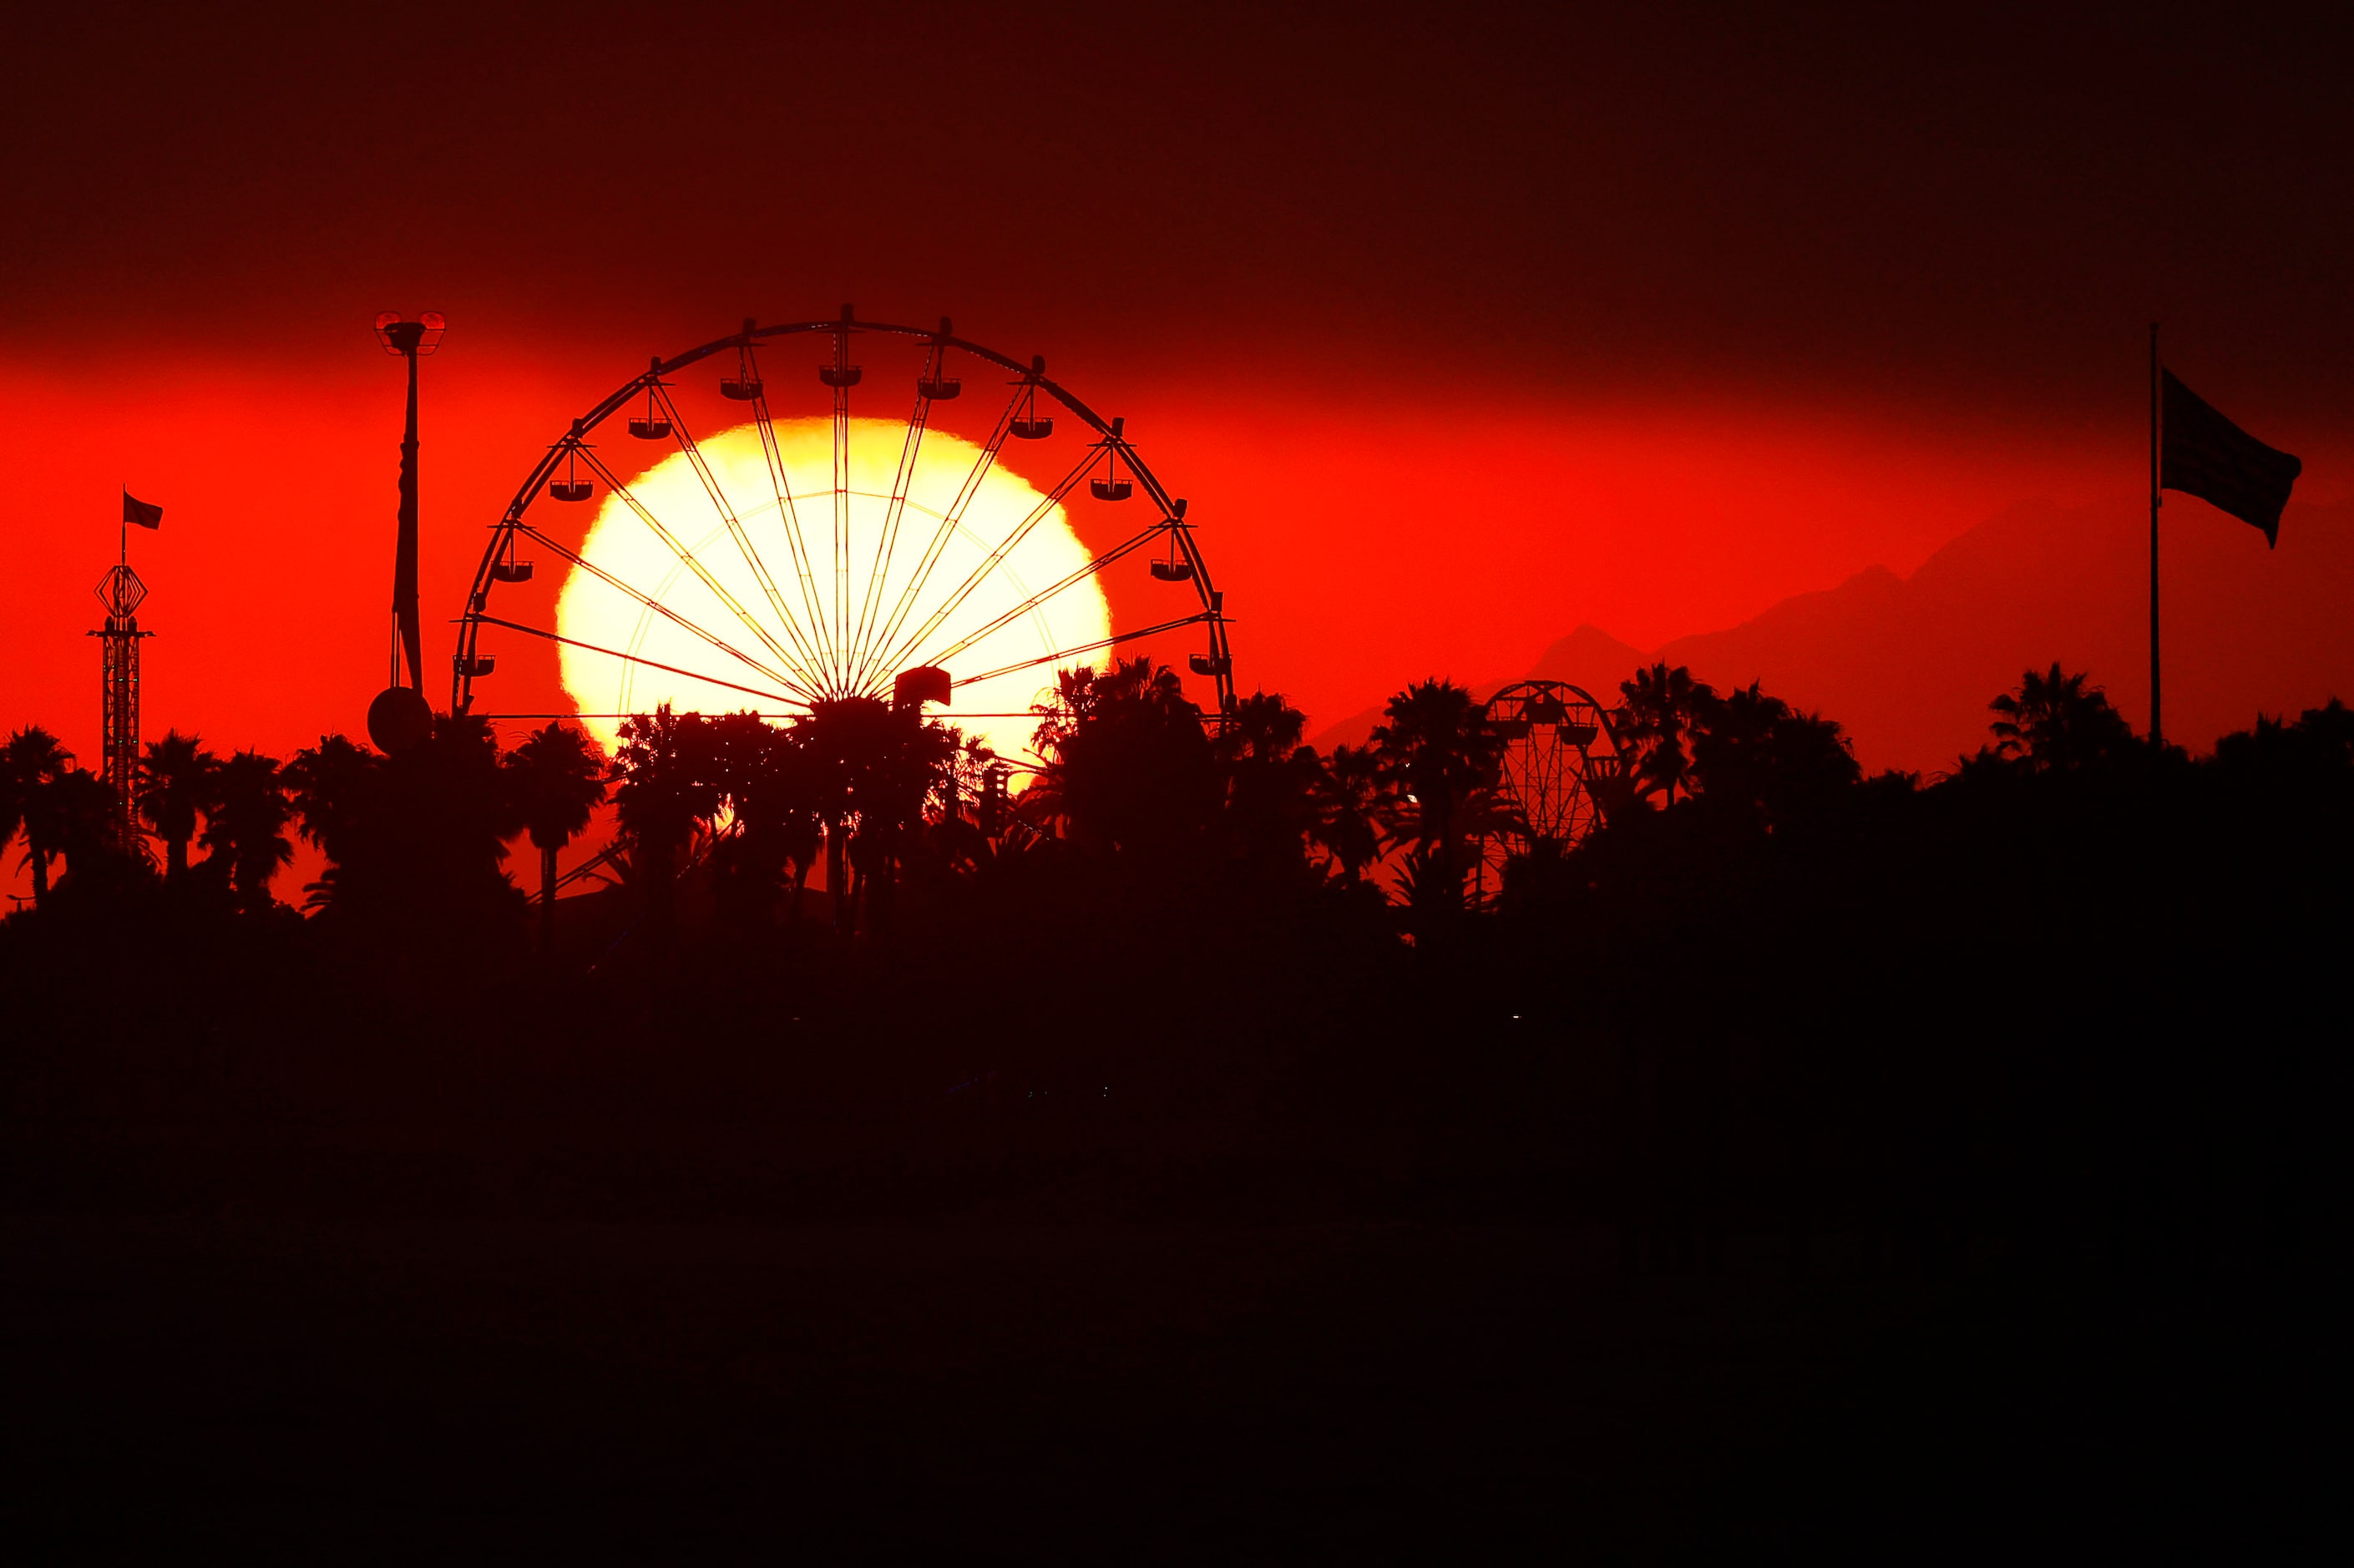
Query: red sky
{"x": 1459, "y": 327}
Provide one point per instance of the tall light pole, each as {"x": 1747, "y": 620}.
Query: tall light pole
{"x": 400, "y": 716}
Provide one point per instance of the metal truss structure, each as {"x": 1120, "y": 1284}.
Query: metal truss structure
{"x": 812, "y": 631}
{"x": 1558, "y": 760}
{"x": 121, "y": 591}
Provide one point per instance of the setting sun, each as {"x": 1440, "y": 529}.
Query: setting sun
{"x": 822, "y": 617}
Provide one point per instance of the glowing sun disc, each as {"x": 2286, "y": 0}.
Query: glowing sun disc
{"x": 820, "y": 615}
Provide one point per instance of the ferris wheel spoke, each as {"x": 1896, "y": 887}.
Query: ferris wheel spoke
{"x": 949, "y": 520}
{"x": 790, "y": 516}
{"x": 1060, "y": 654}
{"x": 889, "y": 542}
{"x": 736, "y": 529}
{"x": 686, "y": 557}
{"x": 1043, "y": 595}
{"x": 802, "y": 684}
{"x": 1038, "y": 513}
{"x": 641, "y": 659}
{"x": 821, "y": 642}
{"x": 840, "y": 380}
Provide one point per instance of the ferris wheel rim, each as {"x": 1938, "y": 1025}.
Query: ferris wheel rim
{"x": 1575, "y": 783}
{"x": 886, "y": 656}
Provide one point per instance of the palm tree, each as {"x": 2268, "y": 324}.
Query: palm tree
{"x": 1662, "y": 706}
{"x": 1754, "y": 754}
{"x": 1269, "y": 781}
{"x": 966, "y": 807}
{"x": 787, "y": 795}
{"x": 88, "y": 831}
{"x": 1436, "y": 752}
{"x": 1347, "y": 798}
{"x": 1127, "y": 767}
{"x": 868, "y": 770}
{"x": 176, "y": 782}
{"x": 2330, "y": 730}
{"x": 448, "y": 810}
{"x": 666, "y": 792}
{"x": 836, "y": 741}
{"x": 2055, "y": 724}
{"x": 328, "y": 783}
{"x": 558, "y": 779}
{"x": 30, "y": 764}
{"x": 763, "y": 779}
{"x": 244, "y": 832}
{"x": 1261, "y": 726}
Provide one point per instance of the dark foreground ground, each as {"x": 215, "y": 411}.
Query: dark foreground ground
{"x": 985, "y": 1392}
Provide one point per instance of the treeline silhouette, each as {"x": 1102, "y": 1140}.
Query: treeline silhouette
{"x": 2064, "y": 1005}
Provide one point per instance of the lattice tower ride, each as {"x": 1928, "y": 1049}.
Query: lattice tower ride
{"x": 120, "y": 592}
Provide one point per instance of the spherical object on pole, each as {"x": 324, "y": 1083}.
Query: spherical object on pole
{"x": 399, "y": 719}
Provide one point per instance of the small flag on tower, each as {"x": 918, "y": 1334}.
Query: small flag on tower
{"x": 2208, "y": 456}
{"x": 137, "y": 510}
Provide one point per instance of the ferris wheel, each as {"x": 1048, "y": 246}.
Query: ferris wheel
{"x": 1557, "y": 763}
{"x": 744, "y": 552}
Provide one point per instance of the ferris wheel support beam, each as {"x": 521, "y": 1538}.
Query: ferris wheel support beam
{"x": 840, "y": 381}
{"x": 1112, "y": 641}
{"x": 1038, "y": 513}
{"x": 950, "y": 520}
{"x": 1043, "y": 595}
{"x": 687, "y": 559}
{"x": 735, "y": 530}
{"x": 593, "y": 569}
{"x": 789, "y": 514}
{"x": 639, "y": 658}
{"x": 855, "y": 670}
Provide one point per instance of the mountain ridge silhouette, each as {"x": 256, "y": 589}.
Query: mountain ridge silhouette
{"x": 1907, "y": 664}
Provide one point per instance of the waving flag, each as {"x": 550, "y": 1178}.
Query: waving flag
{"x": 2208, "y": 456}
{"x": 137, "y": 510}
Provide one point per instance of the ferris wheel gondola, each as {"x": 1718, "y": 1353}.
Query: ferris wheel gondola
{"x": 719, "y": 572}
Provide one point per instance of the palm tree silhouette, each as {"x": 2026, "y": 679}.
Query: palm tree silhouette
{"x": 836, "y": 741}
{"x": 1754, "y": 754}
{"x": 869, "y": 771}
{"x": 965, "y": 821}
{"x": 1270, "y": 781}
{"x": 1436, "y": 752}
{"x": 176, "y": 782}
{"x": 2053, "y": 722}
{"x": 1125, "y": 764}
{"x": 30, "y": 765}
{"x": 801, "y": 832}
{"x": 1262, "y": 727}
{"x": 558, "y": 779}
{"x": 762, "y": 772}
{"x": 244, "y": 832}
{"x": 1347, "y": 799}
{"x": 666, "y": 792}
{"x": 328, "y": 783}
{"x": 1662, "y": 706}
{"x": 88, "y": 831}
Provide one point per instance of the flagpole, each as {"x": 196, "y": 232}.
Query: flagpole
{"x": 2156, "y": 727}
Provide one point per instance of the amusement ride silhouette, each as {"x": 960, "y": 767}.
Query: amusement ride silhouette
{"x": 791, "y": 593}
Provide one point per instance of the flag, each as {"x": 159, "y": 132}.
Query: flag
{"x": 2206, "y": 455}
{"x": 137, "y": 510}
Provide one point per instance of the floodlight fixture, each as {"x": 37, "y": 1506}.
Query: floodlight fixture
{"x": 417, "y": 338}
